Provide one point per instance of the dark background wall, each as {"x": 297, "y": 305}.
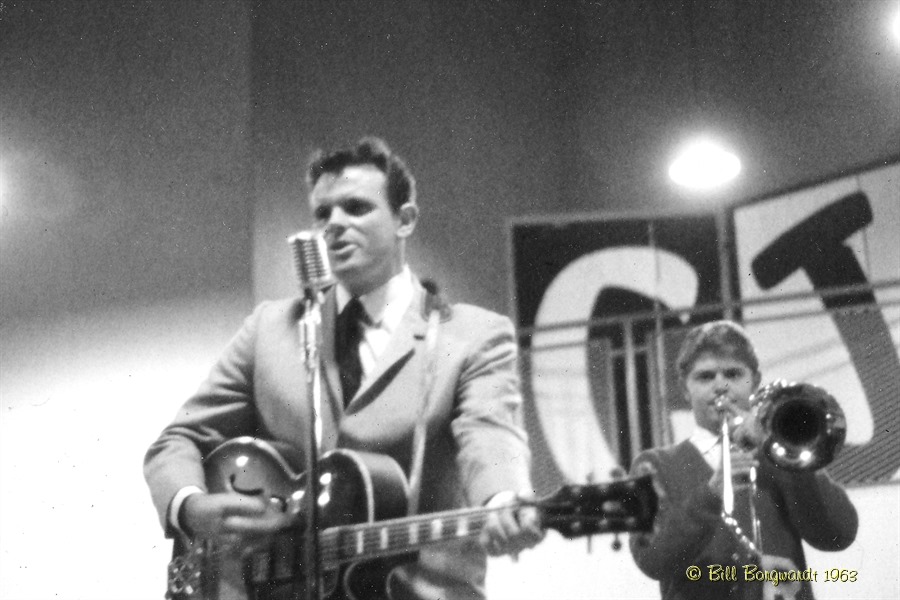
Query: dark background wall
{"x": 469, "y": 94}
{"x": 125, "y": 161}
{"x": 506, "y": 109}
{"x": 144, "y": 134}
{"x": 151, "y": 164}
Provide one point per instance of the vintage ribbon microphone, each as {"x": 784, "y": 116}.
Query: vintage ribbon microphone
{"x": 314, "y": 275}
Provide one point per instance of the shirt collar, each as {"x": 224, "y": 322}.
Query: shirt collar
{"x": 705, "y": 441}
{"x": 387, "y": 304}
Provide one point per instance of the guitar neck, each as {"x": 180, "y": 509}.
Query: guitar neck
{"x": 573, "y": 511}
{"x": 397, "y": 536}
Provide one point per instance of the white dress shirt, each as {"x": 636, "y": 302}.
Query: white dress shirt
{"x": 385, "y": 307}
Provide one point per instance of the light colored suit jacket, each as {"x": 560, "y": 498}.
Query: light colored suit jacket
{"x": 476, "y": 446}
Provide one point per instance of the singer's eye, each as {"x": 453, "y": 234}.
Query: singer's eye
{"x": 349, "y": 207}
{"x": 356, "y": 207}
{"x": 322, "y": 213}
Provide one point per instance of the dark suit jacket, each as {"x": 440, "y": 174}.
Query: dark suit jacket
{"x": 689, "y": 529}
{"x": 476, "y": 446}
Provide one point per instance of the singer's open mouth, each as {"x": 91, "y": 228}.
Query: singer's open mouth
{"x": 341, "y": 248}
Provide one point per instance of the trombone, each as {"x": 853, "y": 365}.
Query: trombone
{"x": 803, "y": 430}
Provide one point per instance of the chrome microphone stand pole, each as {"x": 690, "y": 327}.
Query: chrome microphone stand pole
{"x": 314, "y": 273}
{"x": 309, "y": 330}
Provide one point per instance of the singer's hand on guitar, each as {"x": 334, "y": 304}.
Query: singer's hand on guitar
{"x": 511, "y": 529}
{"x": 642, "y": 468}
{"x": 664, "y": 507}
{"x": 236, "y": 520}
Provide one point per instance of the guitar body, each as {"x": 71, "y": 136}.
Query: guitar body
{"x": 355, "y": 487}
{"x": 363, "y": 531}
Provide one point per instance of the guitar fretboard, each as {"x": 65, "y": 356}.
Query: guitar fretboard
{"x": 349, "y": 543}
{"x": 354, "y": 542}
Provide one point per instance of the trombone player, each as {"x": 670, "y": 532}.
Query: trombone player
{"x": 728, "y": 513}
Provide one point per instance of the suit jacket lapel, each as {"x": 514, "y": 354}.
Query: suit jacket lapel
{"x": 403, "y": 342}
{"x": 695, "y": 461}
{"x": 332, "y": 376}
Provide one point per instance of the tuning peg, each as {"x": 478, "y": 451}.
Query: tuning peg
{"x": 617, "y": 473}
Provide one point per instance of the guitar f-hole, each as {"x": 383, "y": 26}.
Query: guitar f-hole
{"x": 232, "y": 480}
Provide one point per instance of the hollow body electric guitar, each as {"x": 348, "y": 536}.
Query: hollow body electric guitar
{"x": 364, "y": 530}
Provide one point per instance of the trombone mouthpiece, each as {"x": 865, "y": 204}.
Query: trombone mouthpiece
{"x": 720, "y": 401}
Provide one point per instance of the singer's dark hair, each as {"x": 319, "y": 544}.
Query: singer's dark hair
{"x": 722, "y": 338}
{"x": 401, "y": 185}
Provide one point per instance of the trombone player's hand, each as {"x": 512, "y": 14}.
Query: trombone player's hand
{"x": 745, "y": 435}
{"x": 741, "y": 463}
{"x": 744, "y": 428}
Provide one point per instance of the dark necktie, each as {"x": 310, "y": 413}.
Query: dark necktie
{"x": 348, "y": 335}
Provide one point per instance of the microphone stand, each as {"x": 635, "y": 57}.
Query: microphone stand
{"x": 309, "y": 337}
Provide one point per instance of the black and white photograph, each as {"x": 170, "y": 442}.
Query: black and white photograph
{"x": 449, "y": 300}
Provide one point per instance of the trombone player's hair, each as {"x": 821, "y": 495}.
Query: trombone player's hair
{"x": 725, "y": 338}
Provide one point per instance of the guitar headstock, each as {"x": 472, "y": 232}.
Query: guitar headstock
{"x": 619, "y": 506}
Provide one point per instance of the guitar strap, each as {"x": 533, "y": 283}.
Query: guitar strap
{"x": 435, "y": 309}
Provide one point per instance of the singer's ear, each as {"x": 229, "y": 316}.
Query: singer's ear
{"x": 408, "y": 215}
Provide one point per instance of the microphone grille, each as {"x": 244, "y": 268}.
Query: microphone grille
{"x": 311, "y": 260}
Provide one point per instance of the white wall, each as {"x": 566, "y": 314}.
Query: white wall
{"x": 82, "y": 398}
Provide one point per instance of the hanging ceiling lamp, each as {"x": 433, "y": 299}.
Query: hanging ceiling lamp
{"x": 704, "y": 164}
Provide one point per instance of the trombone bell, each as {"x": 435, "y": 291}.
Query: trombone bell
{"x": 804, "y": 425}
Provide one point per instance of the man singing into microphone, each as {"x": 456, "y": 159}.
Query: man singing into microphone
{"x": 375, "y": 357}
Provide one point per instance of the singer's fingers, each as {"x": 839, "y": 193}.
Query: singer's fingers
{"x": 206, "y": 514}
{"x": 645, "y": 468}
{"x": 238, "y": 505}
{"x": 254, "y": 524}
